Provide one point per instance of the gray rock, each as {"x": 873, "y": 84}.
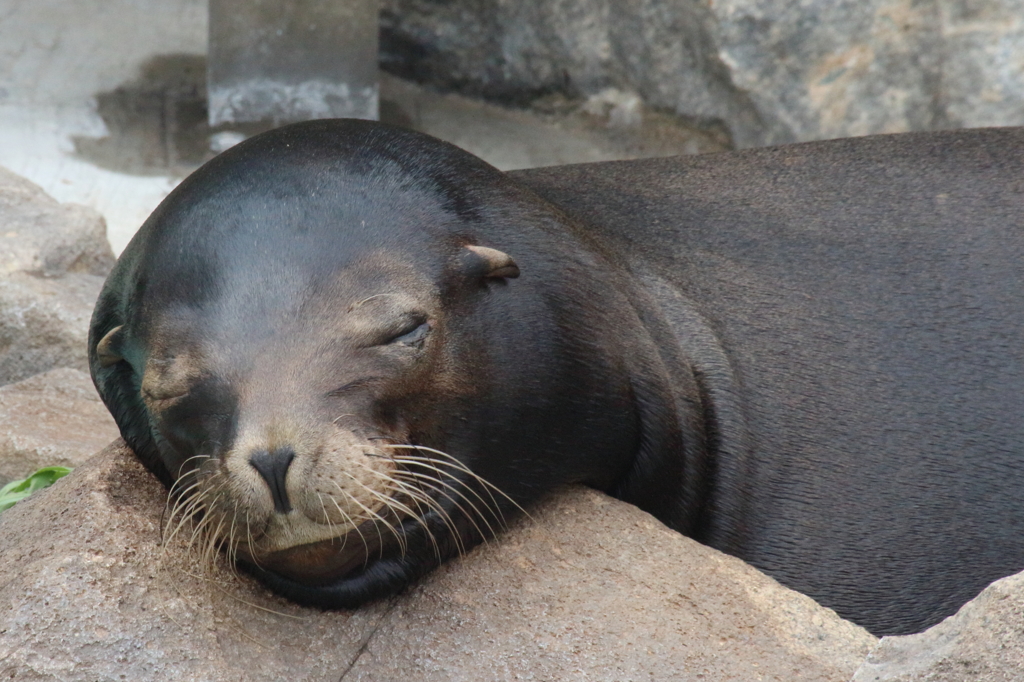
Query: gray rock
{"x": 512, "y": 138}
{"x": 590, "y": 589}
{"x": 44, "y": 322}
{"x": 821, "y": 70}
{"x": 984, "y": 640}
{"x": 51, "y": 419}
{"x": 44, "y": 237}
{"x": 771, "y": 71}
{"x": 516, "y": 52}
{"x": 53, "y": 258}
{"x": 982, "y": 82}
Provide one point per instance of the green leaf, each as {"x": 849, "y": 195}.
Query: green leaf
{"x": 16, "y": 491}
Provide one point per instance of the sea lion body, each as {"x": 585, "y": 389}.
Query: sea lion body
{"x": 868, "y": 296}
{"x": 808, "y": 357}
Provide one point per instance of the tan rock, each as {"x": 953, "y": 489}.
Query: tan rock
{"x": 590, "y": 589}
{"x": 51, "y": 419}
{"x": 983, "y": 641}
{"x": 53, "y": 258}
{"x": 88, "y": 594}
{"x": 44, "y": 322}
{"x": 596, "y": 589}
{"x": 42, "y": 236}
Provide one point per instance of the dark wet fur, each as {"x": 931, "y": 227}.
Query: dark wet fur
{"x": 809, "y": 357}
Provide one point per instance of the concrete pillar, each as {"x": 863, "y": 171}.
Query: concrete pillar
{"x": 280, "y": 61}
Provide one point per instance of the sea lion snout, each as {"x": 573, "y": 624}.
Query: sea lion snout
{"x": 269, "y": 494}
{"x": 273, "y": 465}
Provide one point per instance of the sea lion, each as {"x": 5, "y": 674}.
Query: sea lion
{"x": 361, "y": 350}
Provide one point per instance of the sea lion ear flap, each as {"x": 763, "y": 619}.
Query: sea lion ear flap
{"x": 107, "y": 350}
{"x": 481, "y": 261}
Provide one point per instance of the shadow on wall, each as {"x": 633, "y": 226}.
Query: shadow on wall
{"x": 157, "y": 123}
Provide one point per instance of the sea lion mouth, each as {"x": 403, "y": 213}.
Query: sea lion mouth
{"x": 325, "y": 561}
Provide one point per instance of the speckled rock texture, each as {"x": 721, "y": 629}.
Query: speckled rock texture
{"x": 984, "y": 640}
{"x": 589, "y": 589}
{"x": 47, "y": 238}
{"x": 51, "y": 419}
{"x": 44, "y": 322}
{"x": 772, "y": 71}
{"x": 53, "y": 259}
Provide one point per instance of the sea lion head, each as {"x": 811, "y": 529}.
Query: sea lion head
{"x": 356, "y": 351}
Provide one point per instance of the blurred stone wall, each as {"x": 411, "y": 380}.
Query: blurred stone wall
{"x": 60, "y": 52}
{"x": 770, "y": 71}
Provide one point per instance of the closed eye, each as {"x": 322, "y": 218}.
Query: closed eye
{"x": 353, "y": 386}
{"x": 413, "y": 338}
{"x": 404, "y": 330}
{"x": 163, "y": 394}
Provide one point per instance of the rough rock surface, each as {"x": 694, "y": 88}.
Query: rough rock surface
{"x": 51, "y": 419}
{"x": 513, "y": 138}
{"x": 772, "y": 71}
{"x": 41, "y": 236}
{"x": 516, "y": 52}
{"x": 590, "y": 589}
{"x": 984, "y": 640}
{"x": 44, "y": 322}
{"x": 53, "y": 258}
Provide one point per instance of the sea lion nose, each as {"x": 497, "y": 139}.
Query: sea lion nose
{"x": 273, "y": 467}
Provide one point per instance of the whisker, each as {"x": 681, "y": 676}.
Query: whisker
{"x": 327, "y": 517}
{"x": 433, "y": 506}
{"x": 184, "y": 505}
{"x": 350, "y": 521}
{"x": 248, "y": 534}
{"x": 388, "y": 478}
{"x": 433, "y": 483}
{"x": 188, "y": 514}
{"x": 394, "y": 504}
{"x": 462, "y": 467}
{"x": 432, "y": 464}
{"x": 370, "y": 513}
{"x": 201, "y": 530}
